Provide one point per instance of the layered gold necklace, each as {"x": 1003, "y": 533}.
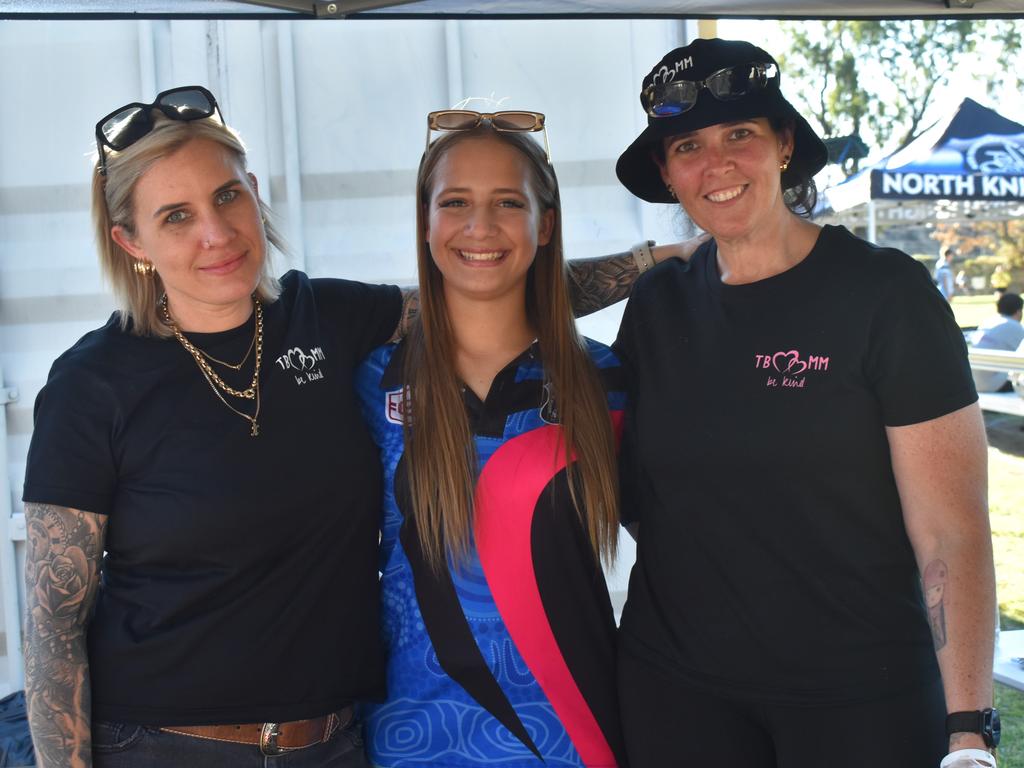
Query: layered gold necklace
{"x": 217, "y": 384}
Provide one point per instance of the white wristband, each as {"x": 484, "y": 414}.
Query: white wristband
{"x": 968, "y": 758}
{"x": 642, "y": 255}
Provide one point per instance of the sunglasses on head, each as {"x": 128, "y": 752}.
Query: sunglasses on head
{"x": 510, "y": 121}
{"x": 677, "y": 96}
{"x": 126, "y": 125}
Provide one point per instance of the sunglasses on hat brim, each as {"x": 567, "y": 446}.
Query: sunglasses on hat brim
{"x": 509, "y": 121}
{"x": 673, "y": 98}
{"x": 126, "y": 125}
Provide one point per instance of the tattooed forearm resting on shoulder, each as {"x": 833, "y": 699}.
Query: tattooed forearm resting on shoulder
{"x": 410, "y": 311}
{"x": 600, "y": 282}
{"x": 61, "y": 579}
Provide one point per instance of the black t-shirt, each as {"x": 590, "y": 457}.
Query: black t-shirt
{"x": 240, "y": 579}
{"x": 773, "y": 561}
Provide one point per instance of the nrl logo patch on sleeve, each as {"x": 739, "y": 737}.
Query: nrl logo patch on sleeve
{"x": 394, "y": 407}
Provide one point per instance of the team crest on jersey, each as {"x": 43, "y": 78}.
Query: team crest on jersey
{"x": 788, "y": 369}
{"x": 394, "y": 406}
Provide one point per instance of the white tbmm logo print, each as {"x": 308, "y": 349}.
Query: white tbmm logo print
{"x": 304, "y": 366}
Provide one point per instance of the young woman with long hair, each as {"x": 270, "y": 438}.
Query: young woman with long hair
{"x": 497, "y": 424}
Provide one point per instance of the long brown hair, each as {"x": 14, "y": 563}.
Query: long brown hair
{"x": 439, "y": 447}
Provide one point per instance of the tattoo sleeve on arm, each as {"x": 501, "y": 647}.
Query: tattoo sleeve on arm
{"x": 598, "y": 283}
{"x": 410, "y": 311}
{"x": 61, "y": 580}
{"x": 934, "y": 578}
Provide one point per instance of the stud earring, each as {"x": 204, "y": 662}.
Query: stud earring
{"x": 784, "y": 166}
{"x": 143, "y": 268}
{"x": 671, "y": 192}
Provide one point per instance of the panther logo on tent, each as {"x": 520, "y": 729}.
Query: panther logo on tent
{"x": 996, "y": 155}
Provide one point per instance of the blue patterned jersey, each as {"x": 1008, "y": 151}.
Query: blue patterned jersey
{"x": 507, "y": 659}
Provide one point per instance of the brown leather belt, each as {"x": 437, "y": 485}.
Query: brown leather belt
{"x": 272, "y": 738}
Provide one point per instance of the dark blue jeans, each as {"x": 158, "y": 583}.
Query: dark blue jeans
{"x": 120, "y": 745}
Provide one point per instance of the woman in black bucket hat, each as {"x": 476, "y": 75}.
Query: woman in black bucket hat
{"x": 804, "y": 462}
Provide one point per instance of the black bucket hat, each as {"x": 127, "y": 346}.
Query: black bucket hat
{"x": 637, "y": 169}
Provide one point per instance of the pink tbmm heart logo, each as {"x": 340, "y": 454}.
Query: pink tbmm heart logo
{"x": 789, "y": 362}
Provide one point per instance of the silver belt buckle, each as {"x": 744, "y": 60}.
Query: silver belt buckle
{"x": 268, "y": 739}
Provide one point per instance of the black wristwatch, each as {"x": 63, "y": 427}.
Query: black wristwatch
{"x": 984, "y": 722}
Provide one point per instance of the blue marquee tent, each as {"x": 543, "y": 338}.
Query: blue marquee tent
{"x": 969, "y": 165}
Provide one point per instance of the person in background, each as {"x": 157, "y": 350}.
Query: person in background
{"x": 944, "y": 276}
{"x": 1001, "y": 332}
{"x": 204, "y": 452}
{"x": 961, "y": 281}
{"x": 804, "y": 463}
{"x": 1000, "y": 279}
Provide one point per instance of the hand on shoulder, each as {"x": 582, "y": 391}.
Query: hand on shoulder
{"x": 682, "y": 250}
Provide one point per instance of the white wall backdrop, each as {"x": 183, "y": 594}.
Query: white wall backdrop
{"x": 333, "y": 114}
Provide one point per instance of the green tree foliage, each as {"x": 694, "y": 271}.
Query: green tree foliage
{"x": 877, "y": 79}
{"x": 986, "y": 246}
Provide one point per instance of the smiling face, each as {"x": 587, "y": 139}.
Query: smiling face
{"x": 483, "y": 220}
{"x": 197, "y": 219}
{"x": 727, "y": 176}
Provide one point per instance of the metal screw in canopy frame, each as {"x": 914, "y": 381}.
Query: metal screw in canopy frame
{"x": 322, "y": 9}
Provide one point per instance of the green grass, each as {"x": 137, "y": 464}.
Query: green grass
{"x": 1006, "y": 509}
{"x": 1006, "y": 494}
{"x": 972, "y": 311}
{"x": 1010, "y": 704}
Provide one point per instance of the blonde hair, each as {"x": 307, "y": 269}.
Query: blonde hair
{"x": 113, "y": 204}
{"x": 439, "y": 447}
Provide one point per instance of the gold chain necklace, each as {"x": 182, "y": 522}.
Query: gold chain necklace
{"x": 233, "y": 366}
{"x": 216, "y": 382}
{"x": 255, "y": 427}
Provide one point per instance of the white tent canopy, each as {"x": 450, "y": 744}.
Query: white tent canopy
{"x": 692, "y": 9}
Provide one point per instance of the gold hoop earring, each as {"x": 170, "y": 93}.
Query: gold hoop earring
{"x": 143, "y": 268}
{"x": 671, "y": 192}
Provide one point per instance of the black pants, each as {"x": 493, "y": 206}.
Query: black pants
{"x": 666, "y": 724}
